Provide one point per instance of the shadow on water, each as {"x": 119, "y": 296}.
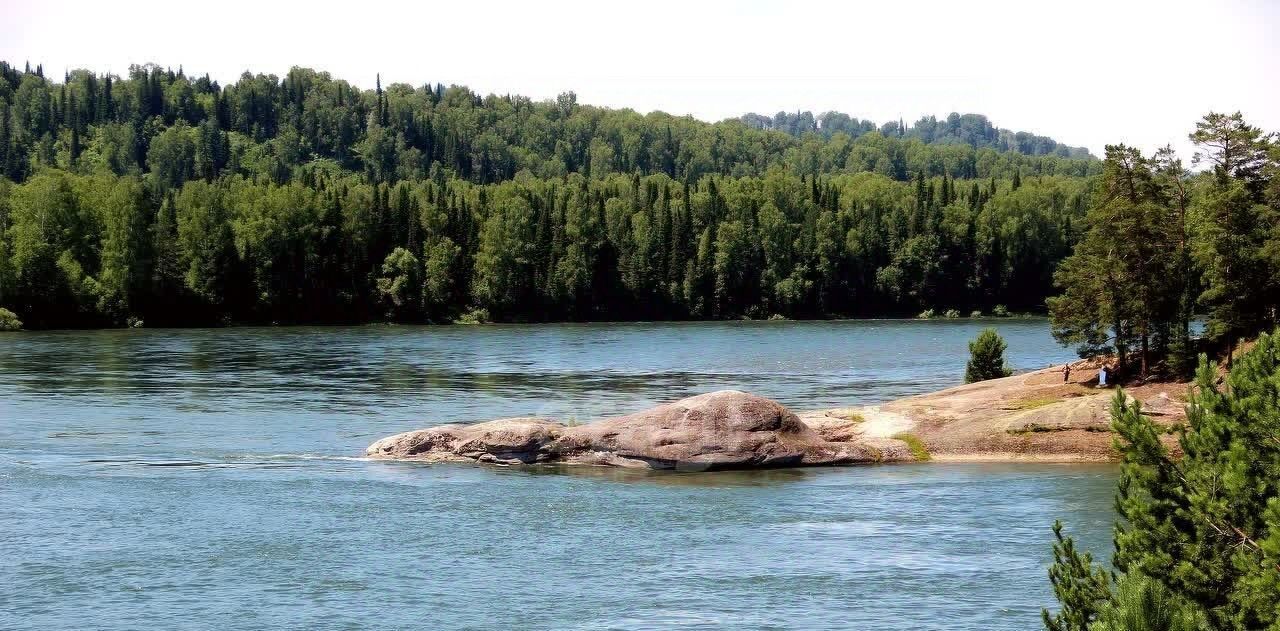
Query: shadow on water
{"x": 617, "y": 475}
{"x": 706, "y": 479}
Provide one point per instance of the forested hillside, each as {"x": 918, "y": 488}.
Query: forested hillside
{"x": 170, "y": 199}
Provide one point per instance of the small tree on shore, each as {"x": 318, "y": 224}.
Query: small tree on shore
{"x": 986, "y": 358}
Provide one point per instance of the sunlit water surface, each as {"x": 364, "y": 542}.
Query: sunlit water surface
{"x": 211, "y": 479}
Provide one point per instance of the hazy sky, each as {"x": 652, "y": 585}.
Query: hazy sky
{"x": 1084, "y": 72}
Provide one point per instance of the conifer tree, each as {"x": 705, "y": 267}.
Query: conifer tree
{"x": 1120, "y": 286}
{"x": 986, "y": 358}
{"x": 1242, "y": 283}
{"x": 1081, "y": 586}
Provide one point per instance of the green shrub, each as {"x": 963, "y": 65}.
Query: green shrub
{"x": 986, "y": 358}
{"x": 927, "y": 314}
{"x": 1000, "y": 311}
{"x": 975, "y": 314}
{"x": 951, "y": 314}
{"x": 9, "y": 320}
{"x": 474, "y": 316}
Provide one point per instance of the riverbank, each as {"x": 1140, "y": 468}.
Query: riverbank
{"x": 1035, "y": 416}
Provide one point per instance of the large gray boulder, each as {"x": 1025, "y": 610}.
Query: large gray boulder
{"x": 719, "y": 430}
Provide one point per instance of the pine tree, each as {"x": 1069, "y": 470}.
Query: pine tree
{"x": 986, "y": 358}
{"x": 1079, "y": 584}
{"x": 106, "y": 107}
{"x": 1121, "y": 286}
{"x": 1142, "y": 604}
{"x": 382, "y": 103}
{"x": 1243, "y": 283}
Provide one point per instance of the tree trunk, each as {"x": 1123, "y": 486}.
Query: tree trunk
{"x": 1145, "y": 350}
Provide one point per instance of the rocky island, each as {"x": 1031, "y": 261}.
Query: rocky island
{"x": 726, "y": 429}
{"x": 1031, "y": 416}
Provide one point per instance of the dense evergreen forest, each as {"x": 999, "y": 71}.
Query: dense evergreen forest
{"x": 172, "y": 200}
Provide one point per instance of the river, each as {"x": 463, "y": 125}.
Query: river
{"x": 212, "y": 479}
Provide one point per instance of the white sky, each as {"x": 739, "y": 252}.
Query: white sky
{"x": 1085, "y": 72}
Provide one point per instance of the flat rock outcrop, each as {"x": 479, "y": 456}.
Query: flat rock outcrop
{"x": 1031, "y": 416}
{"x": 718, "y": 430}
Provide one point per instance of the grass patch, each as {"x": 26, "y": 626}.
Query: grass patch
{"x": 918, "y": 450}
{"x": 1034, "y": 428}
{"x": 1034, "y": 402}
{"x": 852, "y": 417}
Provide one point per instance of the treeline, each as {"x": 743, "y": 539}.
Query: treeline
{"x": 171, "y": 200}
{"x": 973, "y": 130}
{"x": 100, "y": 250}
{"x": 264, "y": 125}
{"x": 1164, "y": 246}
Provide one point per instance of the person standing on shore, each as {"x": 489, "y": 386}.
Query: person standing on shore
{"x": 1102, "y": 376}
{"x": 1066, "y": 372}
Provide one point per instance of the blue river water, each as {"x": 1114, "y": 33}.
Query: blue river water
{"x": 212, "y": 479}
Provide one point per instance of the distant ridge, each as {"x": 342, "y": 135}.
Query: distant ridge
{"x": 974, "y": 130}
